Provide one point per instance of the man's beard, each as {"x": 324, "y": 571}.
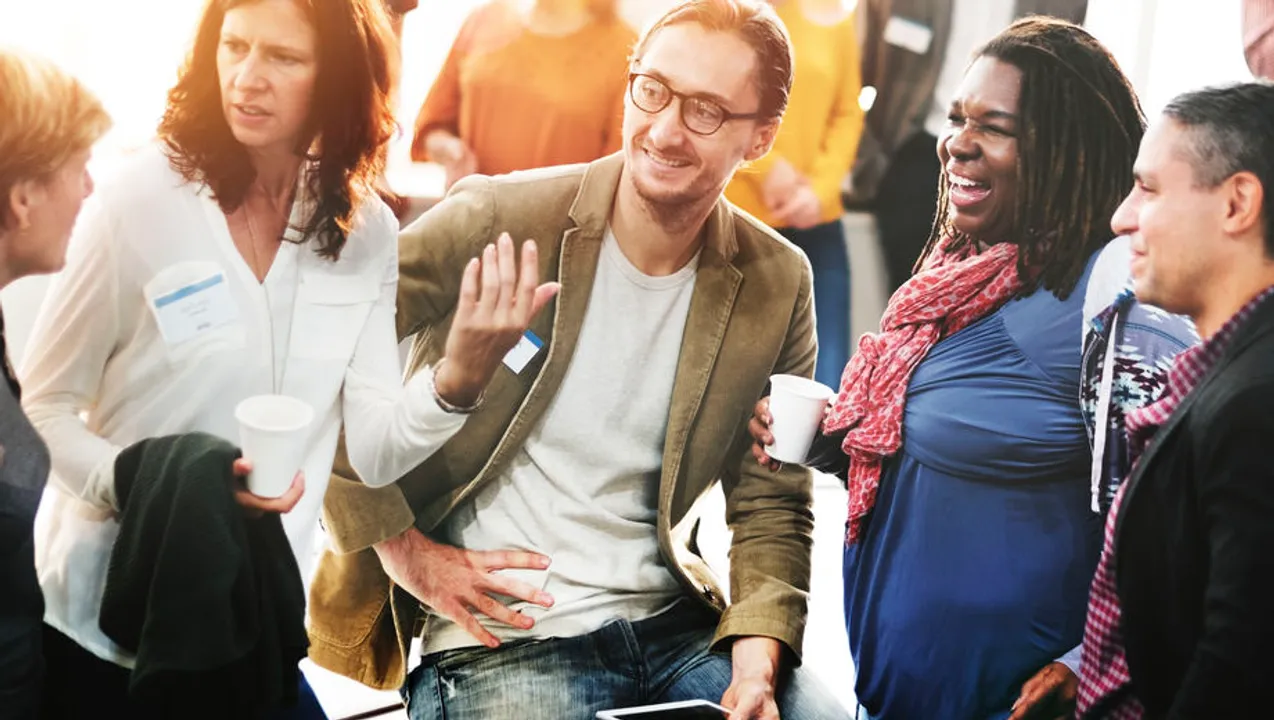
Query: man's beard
{"x": 673, "y": 210}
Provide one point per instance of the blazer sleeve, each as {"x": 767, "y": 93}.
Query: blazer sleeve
{"x": 432, "y": 253}
{"x": 1230, "y": 672}
{"x": 771, "y": 516}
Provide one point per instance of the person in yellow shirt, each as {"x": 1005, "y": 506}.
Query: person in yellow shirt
{"x": 796, "y": 187}
{"x": 528, "y": 83}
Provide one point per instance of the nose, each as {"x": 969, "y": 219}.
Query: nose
{"x": 665, "y": 125}
{"x": 1124, "y": 221}
{"x": 249, "y": 75}
{"x": 88, "y": 184}
{"x": 960, "y": 143}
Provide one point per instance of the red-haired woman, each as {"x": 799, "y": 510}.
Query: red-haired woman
{"x": 245, "y": 253}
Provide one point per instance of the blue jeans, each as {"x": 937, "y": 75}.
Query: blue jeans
{"x": 659, "y": 659}
{"x": 825, "y": 246}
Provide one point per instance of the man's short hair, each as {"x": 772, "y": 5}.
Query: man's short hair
{"x": 1230, "y": 129}
{"x": 758, "y": 25}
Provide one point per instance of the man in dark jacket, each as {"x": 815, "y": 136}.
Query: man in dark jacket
{"x": 1181, "y": 615}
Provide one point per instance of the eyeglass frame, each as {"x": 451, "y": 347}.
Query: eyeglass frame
{"x": 726, "y": 115}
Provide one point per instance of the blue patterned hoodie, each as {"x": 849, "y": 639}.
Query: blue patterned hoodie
{"x": 1145, "y": 340}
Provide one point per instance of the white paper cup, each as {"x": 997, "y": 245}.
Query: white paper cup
{"x": 797, "y": 405}
{"x": 272, "y": 434}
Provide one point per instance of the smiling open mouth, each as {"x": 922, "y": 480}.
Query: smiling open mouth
{"x": 664, "y": 161}
{"x": 966, "y": 190}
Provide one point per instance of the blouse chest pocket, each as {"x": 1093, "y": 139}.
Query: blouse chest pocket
{"x": 331, "y": 311}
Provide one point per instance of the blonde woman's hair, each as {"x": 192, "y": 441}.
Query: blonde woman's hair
{"x": 46, "y": 117}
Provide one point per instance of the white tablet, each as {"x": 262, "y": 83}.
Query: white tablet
{"x": 683, "y": 710}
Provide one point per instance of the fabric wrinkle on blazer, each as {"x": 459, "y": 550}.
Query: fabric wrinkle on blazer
{"x": 1194, "y": 543}
{"x": 905, "y": 81}
{"x": 751, "y": 316}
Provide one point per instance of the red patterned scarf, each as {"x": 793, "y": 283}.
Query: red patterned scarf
{"x": 951, "y": 291}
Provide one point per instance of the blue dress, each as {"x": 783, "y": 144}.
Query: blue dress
{"x": 974, "y": 566}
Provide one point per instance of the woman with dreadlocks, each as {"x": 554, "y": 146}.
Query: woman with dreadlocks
{"x": 960, "y": 428}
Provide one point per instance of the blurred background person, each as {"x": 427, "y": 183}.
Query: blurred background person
{"x": 914, "y": 55}
{"x": 526, "y": 85}
{"x": 796, "y": 188}
{"x": 1258, "y": 37}
{"x": 48, "y": 124}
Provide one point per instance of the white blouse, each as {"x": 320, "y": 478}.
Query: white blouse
{"x": 158, "y": 326}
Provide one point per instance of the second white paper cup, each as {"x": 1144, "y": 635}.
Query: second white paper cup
{"x": 797, "y": 405}
{"x": 272, "y": 434}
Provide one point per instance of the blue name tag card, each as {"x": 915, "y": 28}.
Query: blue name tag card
{"x": 524, "y": 352}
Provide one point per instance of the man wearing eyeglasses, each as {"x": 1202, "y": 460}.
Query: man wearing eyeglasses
{"x": 546, "y": 556}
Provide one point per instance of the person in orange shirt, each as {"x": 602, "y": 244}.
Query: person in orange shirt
{"x": 527, "y": 85}
{"x": 796, "y": 187}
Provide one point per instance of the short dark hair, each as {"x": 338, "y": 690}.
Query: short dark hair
{"x": 1230, "y": 129}
{"x": 350, "y": 115}
{"x": 758, "y": 25}
{"x": 1080, "y": 128}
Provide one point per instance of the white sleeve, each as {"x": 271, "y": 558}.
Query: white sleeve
{"x": 74, "y": 336}
{"x": 1110, "y": 277}
{"x": 1072, "y": 659}
{"x": 389, "y": 428}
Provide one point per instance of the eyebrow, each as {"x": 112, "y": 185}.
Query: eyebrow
{"x": 988, "y": 114}
{"x": 272, "y": 47}
{"x": 718, "y": 99}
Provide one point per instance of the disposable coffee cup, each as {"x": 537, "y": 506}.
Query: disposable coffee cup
{"x": 797, "y": 405}
{"x": 272, "y": 434}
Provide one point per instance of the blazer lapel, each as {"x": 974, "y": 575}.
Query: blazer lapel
{"x": 580, "y": 248}
{"x": 717, "y": 284}
{"x": 1260, "y": 324}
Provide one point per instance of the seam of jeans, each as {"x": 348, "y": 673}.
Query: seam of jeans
{"x": 438, "y": 693}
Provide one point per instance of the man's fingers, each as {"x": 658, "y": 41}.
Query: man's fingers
{"x": 241, "y": 467}
{"x": 543, "y": 294}
{"x": 509, "y": 559}
{"x": 507, "y": 270}
{"x": 748, "y": 708}
{"x": 469, "y": 284}
{"x": 501, "y": 613}
{"x": 528, "y": 277}
{"x": 506, "y": 585}
{"x": 467, "y": 620}
{"x": 490, "y": 279}
{"x": 1035, "y": 690}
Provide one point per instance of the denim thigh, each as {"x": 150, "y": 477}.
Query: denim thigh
{"x": 560, "y": 678}
{"x": 683, "y": 667}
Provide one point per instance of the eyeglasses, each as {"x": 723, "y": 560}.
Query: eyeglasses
{"x": 699, "y": 115}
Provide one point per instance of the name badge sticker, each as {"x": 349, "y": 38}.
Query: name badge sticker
{"x": 908, "y": 34}
{"x": 196, "y": 308}
{"x": 524, "y": 352}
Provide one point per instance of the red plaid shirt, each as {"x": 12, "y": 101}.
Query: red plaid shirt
{"x": 1105, "y": 687}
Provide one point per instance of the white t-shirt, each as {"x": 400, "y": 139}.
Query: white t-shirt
{"x": 584, "y": 488}
{"x": 158, "y": 326}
